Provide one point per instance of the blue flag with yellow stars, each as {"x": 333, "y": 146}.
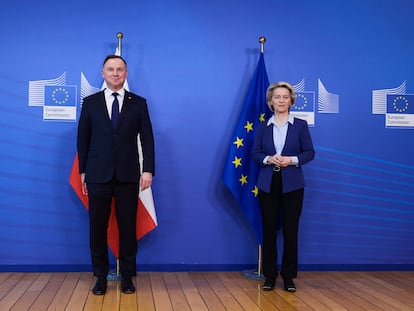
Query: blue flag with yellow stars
{"x": 240, "y": 171}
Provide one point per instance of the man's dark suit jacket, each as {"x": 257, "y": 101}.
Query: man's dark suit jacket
{"x": 103, "y": 151}
{"x": 298, "y": 143}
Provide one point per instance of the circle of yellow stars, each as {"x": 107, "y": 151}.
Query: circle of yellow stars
{"x": 305, "y": 102}
{"x": 396, "y": 104}
{"x": 239, "y": 142}
{"x": 60, "y": 95}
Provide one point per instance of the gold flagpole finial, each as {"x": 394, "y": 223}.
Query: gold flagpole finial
{"x": 119, "y": 35}
{"x": 262, "y": 41}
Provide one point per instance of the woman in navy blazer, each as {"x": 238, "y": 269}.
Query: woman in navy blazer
{"x": 282, "y": 145}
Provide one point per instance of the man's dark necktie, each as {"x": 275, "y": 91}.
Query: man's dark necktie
{"x": 115, "y": 111}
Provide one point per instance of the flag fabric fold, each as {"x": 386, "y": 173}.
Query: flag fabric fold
{"x": 240, "y": 171}
{"x": 146, "y": 216}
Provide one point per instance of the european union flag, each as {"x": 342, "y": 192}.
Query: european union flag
{"x": 305, "y": 102}
{"x": 401, "y": 104}
{"x": 240, "y": 171}
{"x": 60, "y": 95}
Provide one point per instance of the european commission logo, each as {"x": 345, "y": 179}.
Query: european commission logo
{"x": 57, "y": 99}
{"x": 60, "y": 103}
{"x": 396, "y": 105}
{"x": 59, "y": 96}
{"x": 304, "y": 107}
{"x": 400, "y": 110}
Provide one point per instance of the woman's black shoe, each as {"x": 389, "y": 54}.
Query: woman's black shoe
{"x": 289, "y": 286}
{"x": 268, "y": 285}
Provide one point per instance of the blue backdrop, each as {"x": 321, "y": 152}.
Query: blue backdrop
{"x": 194, "y": 61}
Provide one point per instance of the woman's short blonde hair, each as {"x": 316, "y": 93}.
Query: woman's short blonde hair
{"x": 272, "y": 87}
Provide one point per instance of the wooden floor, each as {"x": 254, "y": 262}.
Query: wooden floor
{"x": 209, "y": 291}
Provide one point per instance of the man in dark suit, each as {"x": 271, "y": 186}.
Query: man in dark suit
{"x": 109, "y": 165}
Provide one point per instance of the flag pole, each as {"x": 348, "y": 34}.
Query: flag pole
{"x": 251, "y": 274}
{"x": 114, "y": 276}
{"x": 262, "y": 41}
{"x": 119, "y": 35}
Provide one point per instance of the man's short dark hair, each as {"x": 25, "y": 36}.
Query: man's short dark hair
{"x": 112, "y": 57}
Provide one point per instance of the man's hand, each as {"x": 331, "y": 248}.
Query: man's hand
{"x": 84, "y": 187}
{"x": 145, "y": 181}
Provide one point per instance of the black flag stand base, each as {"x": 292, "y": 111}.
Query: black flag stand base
{"x": 255, "y": 274}
{"x": 114, "y": 274}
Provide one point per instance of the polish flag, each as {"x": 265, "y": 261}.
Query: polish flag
{"x": 146, "y": 216}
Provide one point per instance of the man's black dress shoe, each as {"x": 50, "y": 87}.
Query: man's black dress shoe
{"x": 100, "y": 286}
{"x": 289, "y": 285}
{"x": 127, "y": 287}
{"x": 268, "y": 285}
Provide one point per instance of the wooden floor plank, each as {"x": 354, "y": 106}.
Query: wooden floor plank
{"x": 4, "y": 276}
{"x": 328, "y": 292}
{"x": 64, "y": 292}
{"x": 8, "y": 284}
{"x": 191, "y": 292}
{"x": 373, "y": 296}
{"x": 145, "y": 298}
{"x": 94, "y": 302}
{"x": 19, "y": 288}
{"x": 202, "y": 291}
{"x": 32, "y": 293}
{"x": 206, "y": 292}
{"x": 112, "y": 298}
{"x": 48, "y": 292}
{"x": 393, "y": 295}
{"x": 346, "y": 281}
{"x": 175, "y": 292}
{"x": 402, "y": 280}
{"x": 128, "y": 302}
{"x": 305, "y": 293}
{"x": 340, "y": 291}
{"x": 80, "y": 292}
{"x": 161, "y": 299}
{"x": 384, "y": 280}
{"x": 323, "y": 291}
{"x": 252, "y": 288}
{"x": 232, "y": 281}
{"x": 293, "y": 300}
{"x": 276, "y": 297}
{"x": 222, "y": 292}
